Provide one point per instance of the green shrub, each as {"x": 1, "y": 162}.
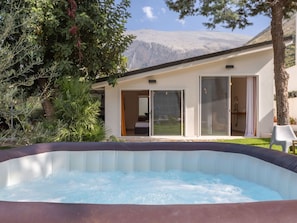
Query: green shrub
{"x": 77, "y": 112}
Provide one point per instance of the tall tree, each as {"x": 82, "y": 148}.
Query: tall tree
{"x": 82, "y": 38}
{"x": 235, "y": 14}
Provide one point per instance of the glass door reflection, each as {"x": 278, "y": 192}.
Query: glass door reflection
{"x": 215, "y": 106}
{"x": 167, "y": 112}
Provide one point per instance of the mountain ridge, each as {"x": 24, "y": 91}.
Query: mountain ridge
{"x": 151, "y": 47}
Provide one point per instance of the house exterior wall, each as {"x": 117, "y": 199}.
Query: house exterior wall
{"x": 292, "y": 86}
{"x": 186, "y": 77}
{"x": 293, "y": 108}
{"x": 265, "y": 100}
{"x": 112, "y": 111}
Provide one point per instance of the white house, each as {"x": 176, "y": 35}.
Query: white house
{"x": 225, "y": 93}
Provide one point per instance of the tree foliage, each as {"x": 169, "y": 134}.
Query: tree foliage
{"x": 16, "y": 108}
{"x": 45, "y": 42}
{"x": 230, "y": 13}
{"x": 12, "y": 72}
{"x": 82, "y": 38}
{"x": 15, "y": 49}
{"x": 236, "y": 14}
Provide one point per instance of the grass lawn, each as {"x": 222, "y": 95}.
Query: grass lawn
{"x": 260, "y": 142}
{"x": 167, "y": 128}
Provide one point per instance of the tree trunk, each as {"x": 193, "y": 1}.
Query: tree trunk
{"x": 281, "y": 77}
{"x": 46, "y": 103}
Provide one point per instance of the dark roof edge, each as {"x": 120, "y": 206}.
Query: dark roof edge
{"x": 196, "y": 58}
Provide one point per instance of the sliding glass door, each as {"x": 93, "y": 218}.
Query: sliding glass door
{"x": 167, "y": 115}
{"x": 215, "y": 106}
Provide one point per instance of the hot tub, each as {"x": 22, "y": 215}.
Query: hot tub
{"x": 269, "y": 168}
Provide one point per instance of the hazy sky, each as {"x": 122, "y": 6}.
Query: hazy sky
{"x": 154, "y": 14}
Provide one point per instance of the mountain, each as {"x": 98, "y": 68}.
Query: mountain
{"x": 151, "y": 47}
